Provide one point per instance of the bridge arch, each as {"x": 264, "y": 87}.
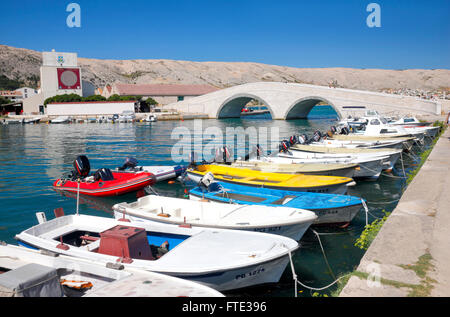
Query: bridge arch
{"x": 301, "y": 107}
{"x": 232, "y": 106}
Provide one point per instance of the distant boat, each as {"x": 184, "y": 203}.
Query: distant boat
{"x": 151, "y": 118}
{"x": 32, "y": 121}
{"x": 61, "y": 119}
{"x": 255, "y": 113}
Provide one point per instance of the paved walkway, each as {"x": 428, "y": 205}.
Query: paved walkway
{"x": 411, "y": 253}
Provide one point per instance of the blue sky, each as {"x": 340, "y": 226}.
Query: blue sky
{"x": 297, "y": 33}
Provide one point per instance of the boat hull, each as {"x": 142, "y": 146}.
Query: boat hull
{"x": 108, "y": 188}
{"x": 339, "y": 189}
{"x": 293, "y": 231}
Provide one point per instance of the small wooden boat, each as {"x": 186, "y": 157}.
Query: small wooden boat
{"x": 219, "y": 258}
{"x": 368, "y": 167}
{"x": 307, "y": 183}
{"x": 312, "y": 151}
{"x": 342, "y": 170}
{"x": 29, "y": 273}
{"x": 329, "y": 208}
{"x": 288, "y": 222}
{"x": 103, "y": 183}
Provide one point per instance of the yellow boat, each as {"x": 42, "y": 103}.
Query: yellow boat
{"x": 291, "y": 182}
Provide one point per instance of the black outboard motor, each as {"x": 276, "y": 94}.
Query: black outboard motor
{"x": 302, "y": 139}
{"x": 284, "y": 146}
{"x": 103, "y": 174}
{"x": 223, "y": 155}
{"x": 82, "y": 167}
{"x": 293, "y": 140}
{"x": 345, "y": 131}
{"x": 130, "y": 162}
{"x": 317, "y": 136}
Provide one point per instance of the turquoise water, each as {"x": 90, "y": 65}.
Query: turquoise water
{"x": 33, "y": 156}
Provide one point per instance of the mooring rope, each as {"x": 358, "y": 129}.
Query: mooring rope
{"x": 296, "y": 281}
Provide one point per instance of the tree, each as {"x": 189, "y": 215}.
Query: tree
{"x": 94, "y": 98}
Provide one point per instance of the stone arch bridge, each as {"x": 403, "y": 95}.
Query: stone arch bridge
{"x": 295, "y": 101}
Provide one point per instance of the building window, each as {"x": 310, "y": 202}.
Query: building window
{"x": 180, "y": 98}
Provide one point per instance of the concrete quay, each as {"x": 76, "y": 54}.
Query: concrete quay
{"x": 410, "y": 256}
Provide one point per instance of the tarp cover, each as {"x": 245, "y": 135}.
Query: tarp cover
{"x": 30, "y": 280}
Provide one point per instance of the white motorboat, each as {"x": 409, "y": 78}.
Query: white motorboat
{"x": 368, "y": 167}
{"x": 30, "y": 273}
{"x": 127, "y": 116}
{"x": 288, "y": 222}
{"x": 410, "y": 121}
{"x": 151, "y": 118}
{"x": 161, "y": 173}
{"x": 355, "y": 144}
{"x": 32, "y": 120}
{"x": 313, "y": 151}
{"x": 219, "y": 258}
{"x": 61, "y": 119}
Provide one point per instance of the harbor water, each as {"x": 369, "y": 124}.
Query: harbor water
{"x": 33, "y": 156}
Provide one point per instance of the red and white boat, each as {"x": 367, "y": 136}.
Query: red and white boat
{"x": 104, "y": 182}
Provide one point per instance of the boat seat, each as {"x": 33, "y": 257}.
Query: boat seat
{"x": 91, "y": 246}
{"x": 152, "y": 211}
{"x": 177, "y": 213}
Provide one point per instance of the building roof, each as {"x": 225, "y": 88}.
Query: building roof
{"x": 163, "y": 89}
{"x": 89, "y": 102}
{"x": 9, "y": 93}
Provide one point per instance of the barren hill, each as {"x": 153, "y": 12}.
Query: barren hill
{"x": 23, "y": 64}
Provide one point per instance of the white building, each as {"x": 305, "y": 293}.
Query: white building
{"x": 27, "y": 92}
{"x": 60, "y": 74}
{"x": 89, "y": 108}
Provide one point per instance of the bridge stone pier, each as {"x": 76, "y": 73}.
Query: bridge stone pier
{"x": 294, "y": 101}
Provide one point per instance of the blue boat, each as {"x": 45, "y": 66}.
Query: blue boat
{"x": 329, "y": 208}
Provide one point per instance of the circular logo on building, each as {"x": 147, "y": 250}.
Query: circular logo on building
{"x": 69, "y": 78}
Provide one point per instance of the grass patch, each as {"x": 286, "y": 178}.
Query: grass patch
{"x": 370, "y": 232}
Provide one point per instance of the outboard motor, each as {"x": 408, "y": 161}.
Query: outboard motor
{"x": 192, "y": 159}
{"x": 103, "y": 174}
{"x": 259, "y": 151}
{"x": 223, "y": 155}
{"x": 317, "y": 136}
{"x": 82, "y": 166}
{"x": 345, "y": 131}
{"x": 284, "y": 146}
{"x": 206, "y": 180}
{"x": 130, "y": 162}
{"x": 302, "y": 139}
{"x": 293, "y": 140}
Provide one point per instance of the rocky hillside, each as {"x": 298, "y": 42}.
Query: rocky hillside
{"x": 23, "y": 64}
